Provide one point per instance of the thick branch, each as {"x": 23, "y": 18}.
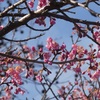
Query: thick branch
{"x": 11, "y": 7}
{"x": 40, "y": 62}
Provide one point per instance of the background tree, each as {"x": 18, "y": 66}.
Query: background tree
{"x": 22, "y": 60}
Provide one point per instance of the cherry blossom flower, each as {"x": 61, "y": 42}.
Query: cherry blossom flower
{"x": 46, "y": 56}
{"x": 39, "y": 78}
{"x": 1, "y": 0}
{"x": 49, "y": 39}
{"x": 19, "y": 90}
{"x": 26, "y": 48}
{"x": 14, "y": 75}
{"x": 62, "y": 57}
{"x": 33, "y": 49}
{"x": 40, "y": 21}
{"x": 77, "y": 69}
{"x": 98, "y": 54}
{"x": 52, "y": 21}
{"x": 72, "y": 54}
{"x": 51, "y": 44}
{"x": 61, "y": 91}
{"x": 63, "y": 46}
{"x": 96, "y": 75}
{"x": 30, "y": 55}
{"x": 31, "y": 3}
{"x": 1, "y": 27}
{"x": 42, "y": 3}
{"x": 19, "y": 69}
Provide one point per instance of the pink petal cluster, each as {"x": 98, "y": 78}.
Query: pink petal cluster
{"x": 30, "y": 73}
{"x": 6, "y": 98}
{"x": 26, "y": 48}
{"x": 98, "y": 54}
{"x": 16, "y": 78}
{"x": 1, "y": 0}
{"x": 19, "y": 90}
{"x": 61, "y": 90}
{"x": 42, "y": 3}
{"x": 30, "y": 55}
{"x": 51, "y": 44}
{"x": 80, "y": 51}
{"x": 73, "y": 52}
{"x": 77, "y": 69}
{"x": 33, "y": 49}
{"x": 39, "y": 78}
{"x": 76, "y": 50}
{"x": 31, "y": 3}
{"x": 63, "y": 46}
{"x": 96, "y": 36}
{"x": 1, "y": 27}
{"x": 96, "y": 75}
{"x": 46, "y": 56}
{"x": 62, "y": 57}
{"x": 52, "y": 21}
{"x": 40, "y": 21}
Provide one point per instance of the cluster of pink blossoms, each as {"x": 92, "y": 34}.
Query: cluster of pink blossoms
{"x": 46, "y": 56}
{"x": 31, "y": 3}
{"x": 1, "y": 27}
{"x": 41, "y": 20}
{"x": 52, "y": 45}
{"x": 30, "y": 51}
{"x": 96, "y": 36}
{"x": 95, "y": 76}
{"x": 76, "y": 50}
{"x": 42, "y": 3}
{"x": 1, "y": 0}
{"x": 14, "y": 74}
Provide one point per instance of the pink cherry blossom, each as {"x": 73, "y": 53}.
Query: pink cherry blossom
{"x": 63, "y": 46}
{"x": 77, "y": 69}
{"x": 30, "y": 55}
{"x": 1, "y": 0}
{"x": 96, "y": 75}
{"x": 52, "y": 21}
{"x": 61, "y": 91}
{"x": 51, "y": 44}
{"x": 1, "y": 27}
{"x": 72, "y": 54}
{"x": 14, "y": 75}
{"x": 42, "y": 3}
{"x": 46, "y": 56}
{"x": 31, "y": 3}
{"x": 49, "y": 39}
{"x": 33, "y": 49}
{"x": 62, "y": 57}
{"x": 26, "y": 48}
{"x": 98, "y": 54}
{"x": 39, "y": 78}
{"x": 19, "y": 90}
{"x": 40, "y": 21}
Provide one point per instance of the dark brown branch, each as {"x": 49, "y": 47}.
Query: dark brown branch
{"x": 28, "y": 17}
{"x": 24, "y": 39}
{"x": 11, "y": 7}
{"x": 40, "y": 62}
{"x": 38, "y": 29}
{"x": 13, "y": 14}
{"x": 72, "y": 19}
{"x": 84, "y": 6}
{"x": 43, "y": 12}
